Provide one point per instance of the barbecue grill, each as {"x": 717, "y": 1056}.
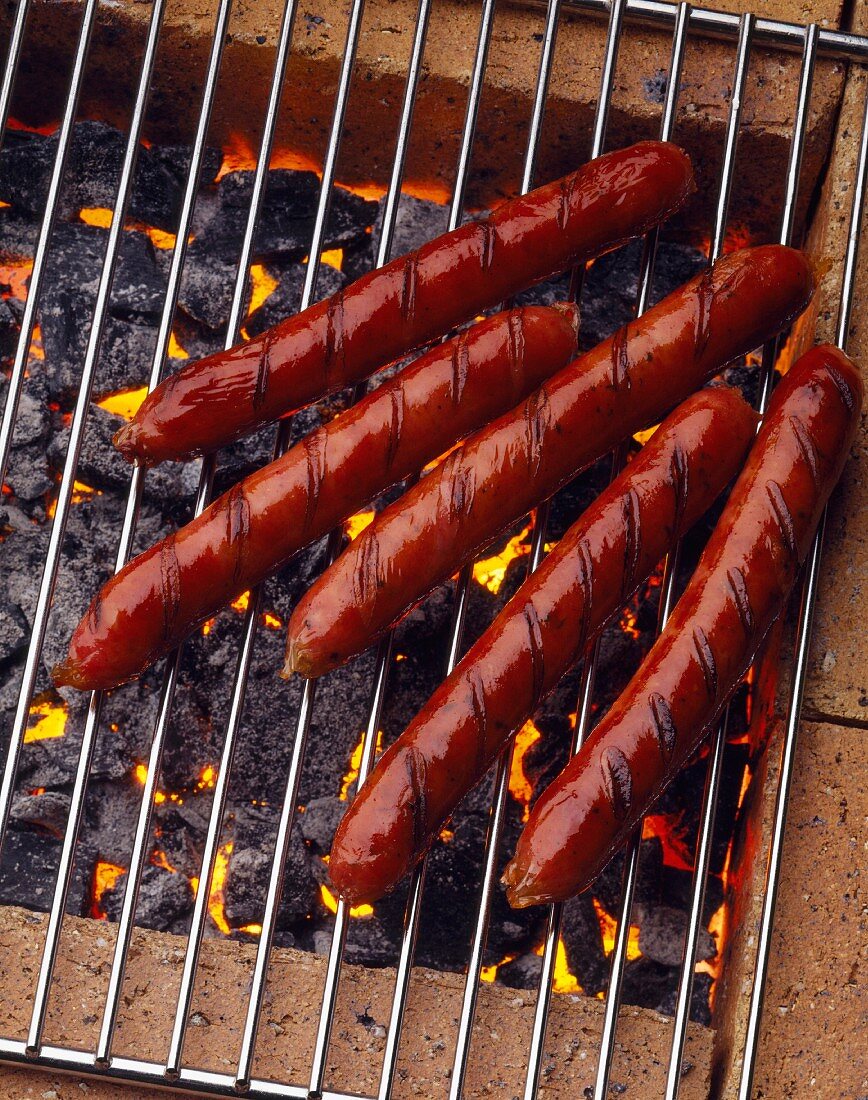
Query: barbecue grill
{"x": 688, "y": 27}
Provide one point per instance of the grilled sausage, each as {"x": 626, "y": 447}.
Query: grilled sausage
{"x": 626, "y": 383}
{"x": 159, "y": 597}
{"x": 409, "y": 302}
{"x": 740, "y": 587}
{"x": 536, "y": 638}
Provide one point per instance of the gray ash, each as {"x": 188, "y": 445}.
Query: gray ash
{"x": 30, "y": 855}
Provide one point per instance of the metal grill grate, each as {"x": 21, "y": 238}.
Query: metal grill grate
{"x": 683, "y": 21}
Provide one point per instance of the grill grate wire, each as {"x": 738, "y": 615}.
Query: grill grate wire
{"x": 748, "y": 30}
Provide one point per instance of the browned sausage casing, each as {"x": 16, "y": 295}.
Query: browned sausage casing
{"x": 536, "y": 638}
{"x": 409, "y": 302}
{"x": 626, "y": 383}
{"x": 160, "y": 596}
{"x": 740, "y": 587}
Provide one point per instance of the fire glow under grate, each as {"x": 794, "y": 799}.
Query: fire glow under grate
{"x": 38, "y": 718}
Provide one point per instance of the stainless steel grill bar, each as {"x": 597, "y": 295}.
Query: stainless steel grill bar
{"x": 67, "y": 856}
{"x": 497, "y": 812}
{"x": 779, "y": 34}
{"x": 10, "y": 411}
{"x": 417, "y": 880}
{"x": 708, "y": 811}
{"x": 10, "y": 69}
{"x": 631, "y": 865}
{"x": 236, "y": 316}
{"x": 800, "y": 672}
{"x": 583, "y": 711}
{"x": 143, "y": 823}
{"x": 218, "y": 806}
{"x": 384, "y": 652}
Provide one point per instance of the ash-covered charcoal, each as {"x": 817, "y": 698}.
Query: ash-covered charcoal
{"x": 28, "y": 870}
{"x": 244, "y": 890}
{"x": 521, "y": 973}
{"x": 648, "y": 984}
{"x": 13, "y": 633}
{"x": 207, "y": 285}
{"x": 92, "y": 175}
{"x": 583, "y": 944}
{"x": 662, "y": 932}
{"x": 285, "y": 299}
{"x": 47, "y": 809}
{"x": 417, "y": 222}
{"x": 163, "y": 896}
{"x": 18, "y": 235}
{"x": 700, "y": 1010}
{"x": 171, "y": 484}
{"x": 320, "y": 820}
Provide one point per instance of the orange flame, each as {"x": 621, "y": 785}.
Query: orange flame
{"x": 352, "y": 773}
{"x": 520, "y": 787}
{"x": 490, "y": 572}
{"x": 331, "y": 903}
{"x": 125, "y": 403}
{"x": 676, "y": 850}
{"x": 609, "y": 930}
{"x": 216, "y": 905}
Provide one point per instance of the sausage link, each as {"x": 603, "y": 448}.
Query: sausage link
{"x": 739, "y": 588}
{"x": 409, "y": 302}
{"x": 160, "y": 596}
{"x": 536, "y": 638}
{"x": 626, "y": 383}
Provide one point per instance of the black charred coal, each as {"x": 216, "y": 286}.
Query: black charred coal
{"x": 265, "y": 739}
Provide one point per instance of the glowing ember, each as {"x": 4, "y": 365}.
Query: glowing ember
{"x": 357, "y": 523}
{"x": 160, "y": 859}
{"x": 101, "y": 216}
{"x": 563, "y": 980}
{"x": 520, "y": 787}
{"x": 105, "y": 875}
{"x": 216, "y": 906}
{"x": 263, "y": 284}
{"x": 609, "y": 930}
{"x": 271, "y": 621}
{"x": 447, "y": 835}
{"x": 355, "y": 763}
{"x": 126, "y": 403}
{"x": 628, "y": 621}
{"x": 208, "y": 626}
{"x": 242, "y": 603}
{"x": 334, "y": 257}
{"x": 50, "y": 722}
{"x": 331, "y": 903}
{"x": 208, "y": 778}
{"x": 175, "y": 351}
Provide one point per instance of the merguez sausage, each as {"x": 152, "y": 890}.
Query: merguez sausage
{"x": 158, "y": 598}
{"x": 536, "y": 638}
{"x": 409, "y": 302}
{"x": 626, "y": 383}
{"x": 739, "y": 588}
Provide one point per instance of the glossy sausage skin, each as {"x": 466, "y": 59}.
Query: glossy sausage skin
{"x": 536, "y": 638}
{"x": 740, "y": 587}
{"x": 409, "y": 302}
{"x": 160, "y": 596}
{"x": 626, "y": 383}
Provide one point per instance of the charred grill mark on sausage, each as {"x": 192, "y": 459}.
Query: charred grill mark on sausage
{"x": 621, "y": 359}
{"x": 704, "y": 300}
{"x": 785, "y": 519}
{"x": 707, "y": 661}
{"x": 487, "y": 241}
{"x": 664, "y": 725}
{"x": 632, "y": 540}
{"x": 537, "y": 418}
{"x": 617, "y": 781}
{"x": 237, "y": 526}
{"x": 408, "y": 286}
{"x": 515, "y": 336}
{"x": 741, "y": 599}
{"x": 460, "y": 367}
{"x": 396, "y": 423}
{"x": 417, "y": 771}
{"x": 335, "y": 351}
{"x": 170, "y": 586}
{"x": 263, "y": 373}
{"x": 480, "y": 715}
{"x": 366, "y": 579}
{"x": 679, "y": 472}
{"x": 537, "y": 651}
{"x": 806, "y": 446}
